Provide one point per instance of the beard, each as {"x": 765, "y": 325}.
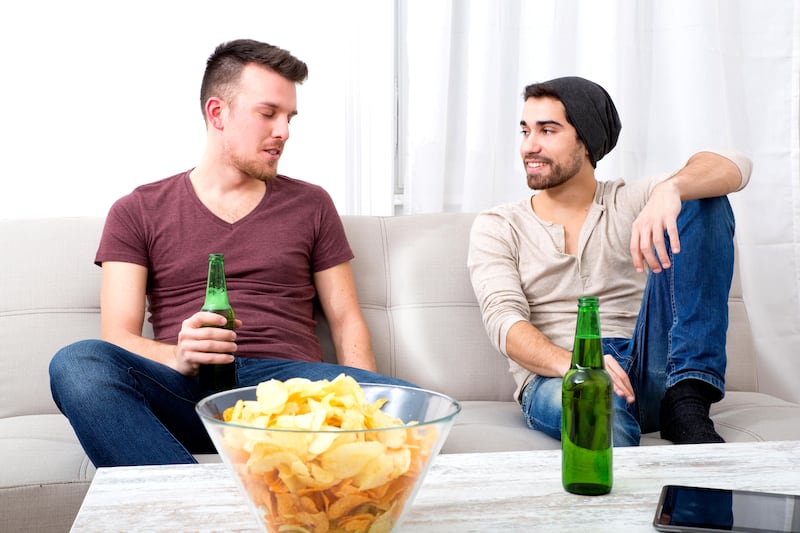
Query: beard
{"x": 254, "y": 167}
{"x": 560, "y": 172}
{"x": 257, "y": 169}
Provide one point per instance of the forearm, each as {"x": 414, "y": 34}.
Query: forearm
{"x": 708, "y": 174}
{"x": 353, "y": 347}
{"x": 531, "y": 349}
{"x": 151, "y": 349}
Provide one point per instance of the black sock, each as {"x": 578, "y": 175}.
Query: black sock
{"x": 684, "y": 413}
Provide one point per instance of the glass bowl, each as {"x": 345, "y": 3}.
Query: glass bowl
{"x": 299, "y": 481}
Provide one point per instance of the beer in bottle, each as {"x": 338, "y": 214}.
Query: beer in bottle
{"x": 587, "y": 410}
{"x": 218, "y": 376}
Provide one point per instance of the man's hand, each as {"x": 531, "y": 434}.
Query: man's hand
{"x": 660, "y": 214}
{"x": 198, "y": 344}
{"x": 622, "y": 385}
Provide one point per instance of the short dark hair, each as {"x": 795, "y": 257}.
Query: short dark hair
{"x": 545, "y": 90}
{"x": 540, "y": 90}
{"x": 225, "y": 64}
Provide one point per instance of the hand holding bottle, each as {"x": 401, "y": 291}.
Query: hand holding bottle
{"x": 218, "y": 375}
{"x": 199, "y": 344}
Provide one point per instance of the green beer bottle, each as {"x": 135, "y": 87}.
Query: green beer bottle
{"x": 587, "y": 409}
{"x": 218, "y": 376}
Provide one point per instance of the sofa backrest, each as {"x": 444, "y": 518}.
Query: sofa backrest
{"x": 411, "y": 278}
{"x": 416, "y": 297}
{"x": 414, "y": 288}
{"x": 51, "y": 297}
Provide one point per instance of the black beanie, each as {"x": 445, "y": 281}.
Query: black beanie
{"x": 592, "y": 112}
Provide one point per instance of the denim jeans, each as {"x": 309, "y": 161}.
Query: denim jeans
{"x": 680, "y": 332}
{"x": 129, "y": 410}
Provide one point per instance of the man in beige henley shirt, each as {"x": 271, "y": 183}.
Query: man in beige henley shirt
{"x": 663, "y": 313}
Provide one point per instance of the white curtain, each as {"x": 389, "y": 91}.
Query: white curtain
{"x": 685, "y": 75}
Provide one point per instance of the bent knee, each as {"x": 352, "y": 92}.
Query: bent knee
{"x": 75, "y": 356}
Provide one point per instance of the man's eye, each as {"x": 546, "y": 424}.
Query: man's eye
{"x": 524, "y": 133}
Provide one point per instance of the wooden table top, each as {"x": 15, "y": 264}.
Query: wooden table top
{"x": 508, "y": 491}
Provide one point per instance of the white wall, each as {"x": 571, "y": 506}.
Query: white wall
{"x": 99, "y": 97}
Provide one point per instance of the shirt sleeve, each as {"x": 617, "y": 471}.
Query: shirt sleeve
{"x": 331, "y": 247}
{"x": 492, "y": 261}
{"x": 123, "y": 236}
{"x": 740, "y": 160}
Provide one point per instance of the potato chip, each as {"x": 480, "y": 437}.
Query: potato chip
{"x": 338, "y": 464}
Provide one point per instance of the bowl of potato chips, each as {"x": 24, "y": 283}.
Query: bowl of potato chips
{"x": 328, "y": 455}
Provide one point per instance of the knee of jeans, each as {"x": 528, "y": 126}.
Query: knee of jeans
{"x": 716, "y": 212}
{"x": 61, "y": 361}
{"x": 541, "y": 405}
{"x": 71, "y": 361}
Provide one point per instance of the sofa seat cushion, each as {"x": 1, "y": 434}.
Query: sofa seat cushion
{"x": 748, "y": 417}
{"x": 756, "y": 416}
{"x": 41, "y": 449}
{"x": 491, "y": 426}
{"x": 500, "y": 427}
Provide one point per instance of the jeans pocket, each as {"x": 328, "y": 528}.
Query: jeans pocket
{"x": 620, "y": 349}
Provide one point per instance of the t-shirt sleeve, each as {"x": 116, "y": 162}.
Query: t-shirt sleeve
{"x": 331, "y": 247}
{"x": 123, "y": 235}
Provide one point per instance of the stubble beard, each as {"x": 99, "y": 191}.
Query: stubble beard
{"x": 256, "y": 169}
{"x": 267, "y": 173}
{"x": 559, "y": 173}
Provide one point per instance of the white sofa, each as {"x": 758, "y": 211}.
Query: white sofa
{"x": 415, "y": 295}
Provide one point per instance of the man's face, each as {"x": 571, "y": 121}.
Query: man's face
{"x": 551, "y": 150}
{"x": 256, "y": 121}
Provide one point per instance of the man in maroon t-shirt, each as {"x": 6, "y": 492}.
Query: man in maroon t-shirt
{"x": 130, "y": 399}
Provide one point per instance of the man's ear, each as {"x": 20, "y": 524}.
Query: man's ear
{"x": 215, "y": 111}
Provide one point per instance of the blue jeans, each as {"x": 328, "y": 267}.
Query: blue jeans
{"x": 129, "y": 410}
{"x": 680, "y": 332}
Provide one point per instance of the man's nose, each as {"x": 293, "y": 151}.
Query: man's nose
{"x": 281, "y": 129}
{"x": 530, "y": 144}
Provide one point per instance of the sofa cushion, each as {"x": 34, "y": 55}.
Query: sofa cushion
{"x": 51, "y": 298}
{"x": 742, "y": 372}
{"x": 755, "y": 416}
{"x": 414, "y": 289}
{"x": 486, "y": 426}
{"x": 39, "y": 449}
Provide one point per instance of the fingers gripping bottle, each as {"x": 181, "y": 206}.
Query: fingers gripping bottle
{"x": 587, "y": 410}
{"x": 218, "y": 376}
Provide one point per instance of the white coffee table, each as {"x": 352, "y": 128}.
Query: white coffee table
{"x": 512, "y": 491}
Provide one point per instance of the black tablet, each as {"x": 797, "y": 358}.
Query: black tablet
{"x": 698, "y": 509}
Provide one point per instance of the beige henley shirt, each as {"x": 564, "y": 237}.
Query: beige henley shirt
{"x": 520, "y": 271}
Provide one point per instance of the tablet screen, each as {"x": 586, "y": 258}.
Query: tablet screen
{"x": 702, "y": 509}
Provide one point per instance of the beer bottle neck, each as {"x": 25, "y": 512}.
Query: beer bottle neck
{"x": 216, "y": 288}
{"x": 587, "y": 351}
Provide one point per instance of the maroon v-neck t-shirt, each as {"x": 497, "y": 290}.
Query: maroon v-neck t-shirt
{"x": 270, "y": 255}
